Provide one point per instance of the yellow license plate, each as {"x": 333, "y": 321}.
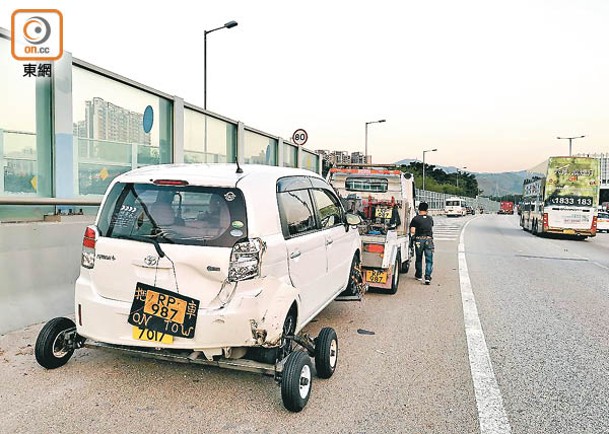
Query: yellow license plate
{"x": 151, "y": 336}
{"x": 383, "y": 213}
{"x": 165, "y": 306}
{"x": 376, "y": 276}
{"x": 568, "y": 231}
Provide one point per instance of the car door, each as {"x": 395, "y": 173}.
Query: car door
{"x": 305, "y": 247}
{"x": 338, "y": 240}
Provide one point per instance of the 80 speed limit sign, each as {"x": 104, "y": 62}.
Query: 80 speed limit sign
{"x": 300, "y": 137}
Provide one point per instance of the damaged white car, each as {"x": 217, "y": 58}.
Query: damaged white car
{"x": 214, "y": 264}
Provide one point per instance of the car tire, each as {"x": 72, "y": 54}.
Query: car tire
{"x": 296, "y": 381}
{"x": 326, "y": 352}
{"x": 52, "y": 349}
{"x": 289, "y": 327}
{"x": 395, "y": 280}
{"x": 355, "y": 277}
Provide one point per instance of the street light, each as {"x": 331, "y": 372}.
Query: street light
{"x": 570, "y": 141}
{"x": 228, "y": 25}
{"x": 429, "y": 150}
{"x": 464, "y": 167}
{"x": 380, "y": 121}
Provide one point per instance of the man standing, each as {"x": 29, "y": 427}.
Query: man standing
{"x": 421, "y": 234}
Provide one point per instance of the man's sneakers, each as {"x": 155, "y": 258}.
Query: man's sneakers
{"x": 427, "y": 280}
{"x": 418, "y": 278}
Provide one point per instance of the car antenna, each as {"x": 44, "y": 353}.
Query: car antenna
{"x": 239, "y": 169}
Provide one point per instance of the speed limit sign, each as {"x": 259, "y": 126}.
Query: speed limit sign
{"x": 300, "y": 137}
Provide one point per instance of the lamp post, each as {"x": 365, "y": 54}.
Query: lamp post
{"x": 429, "y": 150}
{"x": 464, "y": 167}
{"x": 380, "y": 121}
{"x": 228, "y": 25}
{"x": 570, "y": 141}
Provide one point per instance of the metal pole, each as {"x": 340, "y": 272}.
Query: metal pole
{"x": 366, "y": 146}
{"x": 205, "y": 70}
{"x": 570, "y": 142}
{"x": 423, "y": 172}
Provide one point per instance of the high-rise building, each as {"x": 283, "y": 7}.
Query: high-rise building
{"x": 107, "y": 121}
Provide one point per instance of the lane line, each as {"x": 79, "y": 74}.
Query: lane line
{"x": 491, "y": 414}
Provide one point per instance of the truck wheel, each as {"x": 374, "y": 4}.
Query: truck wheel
{"x": 326, "y": 352}
{"x": 296, "y": 381}
{"x": 406, "y": 264}
{"x": 395, "y": 281}
{"x": 52, "y": 349}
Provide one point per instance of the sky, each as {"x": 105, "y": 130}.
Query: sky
{"x": 490, "y": 84}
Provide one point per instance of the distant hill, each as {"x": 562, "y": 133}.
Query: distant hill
{"x": 492, "y": 184}
{"x": 501, "y": 184}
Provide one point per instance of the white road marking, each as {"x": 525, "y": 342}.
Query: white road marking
{"x": 491, "y": 414}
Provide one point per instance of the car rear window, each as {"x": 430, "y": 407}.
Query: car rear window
{"x": 378, "y": 185}
{"x": 206, "y": 216}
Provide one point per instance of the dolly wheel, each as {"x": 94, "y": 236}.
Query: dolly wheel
{"x": 296, "y": 381}
{"x": 326, "y": 352}
{"x": 53, "y": 347}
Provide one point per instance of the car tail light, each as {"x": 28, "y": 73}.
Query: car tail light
{"x": 594, "y": 224}
{"x": 88, "y": 247}
{"x": 245, "y": 259}
{"x": 374, "y": 248}
{"x": 545, "y": 221}
{"x": 177, "y": 182}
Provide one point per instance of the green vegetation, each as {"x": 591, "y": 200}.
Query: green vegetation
{"x": 439, "y": 181}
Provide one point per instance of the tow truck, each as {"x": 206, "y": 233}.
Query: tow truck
{"x": 384, "y": 197}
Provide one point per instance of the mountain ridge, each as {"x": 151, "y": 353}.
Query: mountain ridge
{"x": 491, "y": 183}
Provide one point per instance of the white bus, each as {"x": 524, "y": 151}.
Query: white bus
{"x": 454, "y": 207}
{"x": 561, "y": 197}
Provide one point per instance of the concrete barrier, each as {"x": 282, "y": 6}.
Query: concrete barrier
{"x": 39, "y": 263}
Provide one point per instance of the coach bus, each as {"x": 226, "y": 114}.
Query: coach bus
{"x": 561, "y": 197}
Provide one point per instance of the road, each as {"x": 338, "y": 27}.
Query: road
{"x": 542, "y": 307}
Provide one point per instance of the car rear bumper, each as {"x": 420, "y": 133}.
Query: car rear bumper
{"x": 244, "y": 322}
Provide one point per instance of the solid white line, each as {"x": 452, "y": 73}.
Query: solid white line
{"x": 491, "y": 414}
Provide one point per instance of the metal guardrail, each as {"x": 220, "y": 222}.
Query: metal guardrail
{"x": 50, "y": 201}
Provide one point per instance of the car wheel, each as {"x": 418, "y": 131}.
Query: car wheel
{"x": 296, "y": 381}
{"x": 395, "y": 281}
{"x": 326, "y": 352}
{"x": 53, "y": 347}
{"x": 355, "y": 277}
{"x": 289, "y": 327}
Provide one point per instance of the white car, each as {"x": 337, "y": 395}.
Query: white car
{"x": 602, "y": 222}
{"x": 214, "y": 264}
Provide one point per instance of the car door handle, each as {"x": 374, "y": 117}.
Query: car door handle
{"x": 329, "y": 241}
{"x": 295, "y": 254}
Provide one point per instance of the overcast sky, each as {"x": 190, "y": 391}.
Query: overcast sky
{"x": 490, "y": 84}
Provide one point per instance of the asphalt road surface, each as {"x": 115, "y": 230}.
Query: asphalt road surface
{"x": 541, "y": 303}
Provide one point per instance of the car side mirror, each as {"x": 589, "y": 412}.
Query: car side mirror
{"x": 353, "y": 220}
